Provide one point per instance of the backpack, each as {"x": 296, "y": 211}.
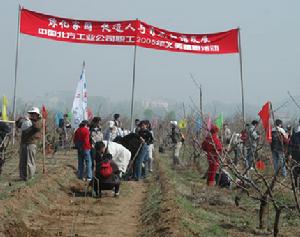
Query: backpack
{"x": 176, "y": 135}
{"x": 61, "y": 123}
{"x": 105, "y": 169}
{"x": 224, "y": 179}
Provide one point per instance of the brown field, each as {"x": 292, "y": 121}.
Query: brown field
{"x": 169, "y": 203}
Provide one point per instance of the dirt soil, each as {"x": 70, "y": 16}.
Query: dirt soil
{"x": 171, "y": 203}
{"x": 56, "y": 204}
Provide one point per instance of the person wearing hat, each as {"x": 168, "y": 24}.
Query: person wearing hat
{"x": 177, "y": 140}
{"x": 110, "y": 133}
{"x": 31, "y": 133}
{"x": 279, "y": 141}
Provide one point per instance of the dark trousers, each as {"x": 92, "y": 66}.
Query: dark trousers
{"x": 99, "y": 186}
{"x": 296, "y": 174}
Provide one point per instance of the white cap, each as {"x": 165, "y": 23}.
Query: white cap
{"x": 173, "y": 122}
{"x": 34, "y": 110}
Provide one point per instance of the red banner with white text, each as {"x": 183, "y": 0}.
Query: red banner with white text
{"x": 132, "y": 32}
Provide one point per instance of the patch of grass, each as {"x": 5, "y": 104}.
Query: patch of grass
{"x": 292, "y": 218}
{"x": 283, "y": 197}
{"x": 151, "y": 211}
{"x": 192, "y": 227}
{"x": 183, "y": 176}
{"x": 33, "y": 180}
{"x": 190, "y": 175}
{"x": 203, "y": 220}
{"x": 200, "y": 213}
{"x": 3, "y": 196}
{"x": 196, "y": 221}
{"x": 9, "y": 189}
{"x": 215, "y": 230}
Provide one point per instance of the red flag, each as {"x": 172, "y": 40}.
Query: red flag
{"x": 264, "y": 115}
{"x": 131, "y": 32}
{"x": 44, "y": 112}
{"x": 260, "y": 165}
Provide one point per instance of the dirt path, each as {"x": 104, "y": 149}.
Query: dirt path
{"x": 56, "y": 205}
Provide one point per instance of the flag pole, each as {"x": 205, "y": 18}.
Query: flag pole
{"x": 16, "y": 74}
{"x": 197, "y": 84}
{"x": 44, "y": 144}
{"x": 241, "y": 74}
{"x": 273, "y": 118}
{"x": 201, "y": 109}
{"x": 85, "y": 116}
{"x": 201, "y": 105}
{"x": 132, "y": 91}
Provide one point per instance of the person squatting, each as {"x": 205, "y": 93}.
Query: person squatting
{"x": 104, "y": 158}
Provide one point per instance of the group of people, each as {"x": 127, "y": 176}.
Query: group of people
{"x": 97, "y": 149}
{"x": 284, "y": 145}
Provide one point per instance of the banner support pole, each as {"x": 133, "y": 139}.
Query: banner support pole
{"x": 132, "y": 91}
{"x": 201, "y": 103}
{"x": 241, "y": 75}
{"x": 85, "y": 115}
{"x": 16, "y": 75}
{"x": 44, "y": 144}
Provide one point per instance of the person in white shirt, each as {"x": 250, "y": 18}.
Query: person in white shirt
{"x": 250, "y": 143}
{"x": 120, "y": 155}
{"x": 227, "y": 134}
{"x": 111, "y": 132}
{"x": 236, "y": 144}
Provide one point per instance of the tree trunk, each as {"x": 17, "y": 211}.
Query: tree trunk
{"x": 276, "y": 222}
{"x": 262, "y": 213}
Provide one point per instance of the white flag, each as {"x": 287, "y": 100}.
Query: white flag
{"x": 79, "y": 108}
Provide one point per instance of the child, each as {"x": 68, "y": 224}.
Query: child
{"x": 106, "y": 172}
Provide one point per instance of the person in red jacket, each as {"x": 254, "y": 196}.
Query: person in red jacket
{"x": 82, "y": 143}
{"x": 213, "y": 147}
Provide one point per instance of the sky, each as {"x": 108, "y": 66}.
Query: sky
{"x": 270, "y": 36}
